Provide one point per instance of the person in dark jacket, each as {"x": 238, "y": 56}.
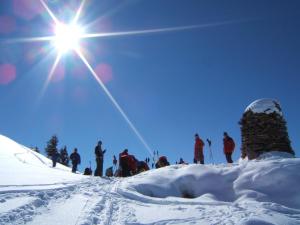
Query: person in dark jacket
{"x": 142, "y": 166}
{"x": 99, "y": 159}
{"x": 109, "y": 172}
{"x": 181, "y": 161}
{"x": 55, "y": 158}
{"x": 229, "y": 146}
{"x": 75, "y": 158}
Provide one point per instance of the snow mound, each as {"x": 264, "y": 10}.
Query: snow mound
{"x": 22, "y": 167}
{"x": 186, "y": 182}
{"x": 275, "y": 155}
{"x": 265, "y": 105}
{"x": 273, "y": 180}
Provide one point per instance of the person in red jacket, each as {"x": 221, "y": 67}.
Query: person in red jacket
{"x": 229, "y": 146}
{"x": 198, "y": 150}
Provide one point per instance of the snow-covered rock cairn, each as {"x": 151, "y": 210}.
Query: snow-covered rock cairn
{"x": 264, "y": 129}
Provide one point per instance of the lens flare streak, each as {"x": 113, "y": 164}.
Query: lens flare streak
{"x": 79, "y": 35}
{"x": 158, "y": 30}
{"x": 56, "y": 21}
{"x": 78, "y": 13}
{"x": 28, "y": 40}
{"x": 113, "y": 100}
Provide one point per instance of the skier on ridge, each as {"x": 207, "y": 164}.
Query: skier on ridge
{"x": 198, "y": 150}
{"x": 99, "y": 159}
{"x": 229, "y": 146}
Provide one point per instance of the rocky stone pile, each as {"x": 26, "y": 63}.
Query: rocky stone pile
{"x": 264, "y": 132}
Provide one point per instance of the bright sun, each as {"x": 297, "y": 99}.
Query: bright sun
{"x": 67, "y": 37}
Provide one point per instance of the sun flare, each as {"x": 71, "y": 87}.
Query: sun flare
{"x": 67, "y": 37}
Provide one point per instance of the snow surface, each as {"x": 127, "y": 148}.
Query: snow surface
{"x": 21, "y": 168}
{"x": 265, "y": 105}
{"x": 257, "y": 192}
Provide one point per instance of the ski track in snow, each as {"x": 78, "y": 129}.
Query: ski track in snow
{"x": 39, "y": 200}
{"x": 97, "y": 201}
{"x": 93, "y": 201}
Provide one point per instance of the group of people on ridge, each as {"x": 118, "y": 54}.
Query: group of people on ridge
{"x": 74, "y": 157}
{"x": 129, "y": 165}
{"x": 228, "y": 148}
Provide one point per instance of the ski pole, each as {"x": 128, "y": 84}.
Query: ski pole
{"x": 210, "y": 150}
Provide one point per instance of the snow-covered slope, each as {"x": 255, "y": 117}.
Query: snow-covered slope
{"x": 258, "y": 192}
{"x": 21, "y": 167}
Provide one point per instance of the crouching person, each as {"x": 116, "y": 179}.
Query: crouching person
{"x": 109, "y": 172}
{"x": 75, "y": 158}
{"x": 162, "y": 162}
{"x": 128, "y": 164}
{"x": 142, "y": 166}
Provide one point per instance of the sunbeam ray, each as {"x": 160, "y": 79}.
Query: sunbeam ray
{"x": 78, "y": 13}
{"x": 115, "y": 103}
{"x": 158, "y": 30}
{"x": 50, "y": 75}
{"x": 29, "y": 39}
{"x": 69, "y": 39}
{"x": 50, "y": 12}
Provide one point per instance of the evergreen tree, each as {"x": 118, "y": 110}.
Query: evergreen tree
{"x": 51, "y": 148}
{"x": 64, "y": 156}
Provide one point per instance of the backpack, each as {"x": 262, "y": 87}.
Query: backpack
{"x": 109, "y": 172}
{"x": 88, "y": 171}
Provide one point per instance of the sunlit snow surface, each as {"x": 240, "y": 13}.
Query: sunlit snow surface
{"x": 265, "y": 105}
{"x": 258, "y": 192}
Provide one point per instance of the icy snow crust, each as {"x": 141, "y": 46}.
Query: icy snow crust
{"x": 257, "y": 192}
{"x": 265, "y": 105}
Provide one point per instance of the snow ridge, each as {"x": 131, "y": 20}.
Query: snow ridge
{"x": 258, "y": 192}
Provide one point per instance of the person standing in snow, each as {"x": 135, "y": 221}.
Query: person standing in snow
{"x": 229, "y": 146}
{"x": 75, "y": 158}
{"x": 55, "y": 158}
{"x": 99, "y": 159}
{"x": 198, "y": 150}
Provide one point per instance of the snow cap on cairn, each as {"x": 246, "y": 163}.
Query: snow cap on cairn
{"x": 265, "y": 105}
{"x": 264, "y": 129}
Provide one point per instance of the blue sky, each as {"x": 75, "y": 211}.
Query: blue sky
{"x": 171, "y": 85}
